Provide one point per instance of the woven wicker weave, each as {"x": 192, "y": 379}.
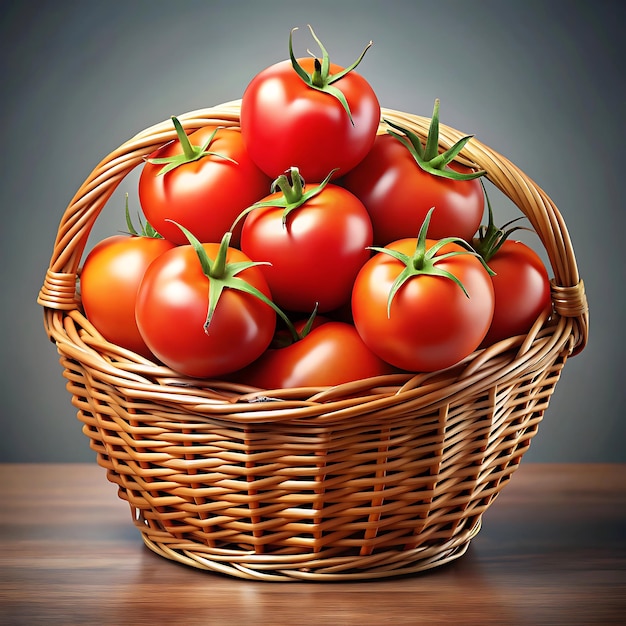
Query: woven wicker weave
{"x": 370, "y": 479}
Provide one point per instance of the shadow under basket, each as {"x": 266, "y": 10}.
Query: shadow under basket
{"x": 376, "y": 478}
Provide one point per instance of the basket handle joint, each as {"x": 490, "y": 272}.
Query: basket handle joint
{"x": 59, "y": 291}
{"x": 570, "y": 301}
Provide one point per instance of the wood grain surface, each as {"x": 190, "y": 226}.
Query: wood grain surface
{"x": 552, "y": 550}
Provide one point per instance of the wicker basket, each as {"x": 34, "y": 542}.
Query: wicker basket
{"x": 370, "y": 479}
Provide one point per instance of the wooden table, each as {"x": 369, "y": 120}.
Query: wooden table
{"x": 552, "y": 550}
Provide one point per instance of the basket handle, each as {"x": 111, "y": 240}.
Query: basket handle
{"x": 59, "y": 288}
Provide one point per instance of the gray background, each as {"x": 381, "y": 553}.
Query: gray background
{"x": 539, "y": 81}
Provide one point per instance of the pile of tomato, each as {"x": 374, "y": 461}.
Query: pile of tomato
{"x": 304, "y": 247}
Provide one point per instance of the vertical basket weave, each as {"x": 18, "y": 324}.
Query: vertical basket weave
{"x": 375, "y": 478}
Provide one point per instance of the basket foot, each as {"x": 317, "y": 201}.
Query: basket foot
{"x": 328, "y": 565}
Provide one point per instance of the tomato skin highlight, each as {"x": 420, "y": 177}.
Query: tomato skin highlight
{"x": 109, "y": 282}
{"x": 398, "y": 194}
{"x": 432, "y": 323}
{"x": 522, "y": 290}
{"x": 315, "y": 257}
{"x": 207, "y": 195}
{"x": 172, "y": 306}
{"x": 286, "y": 123}
{"x": 331, "y": 354}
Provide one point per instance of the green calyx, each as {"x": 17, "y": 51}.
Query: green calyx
{"x": 147, "y": 230}
{"x": 282, "y": 341}
{"x": 490, "y": 237}
{"x": 424, "y": 262}
{"x": 292, "y": 186}
{"x": 223, "y": 275}
{"x": 321, "y": 78}
{"x": 427, "y": 156}
{"x": 190, "y": 152}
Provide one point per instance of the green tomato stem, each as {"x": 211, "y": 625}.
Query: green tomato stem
{"x": 190, "y": 152}
{"x": 427, "y": 156}
{"x": 292, "y": 191}
{"x": 147, "y": 230}
{"x": 321, "y": 78}
{"x": 423, "y": 262}
{"x": 218, "y": 269}
{"x": 491, "y": 238}
{"x": 223, "y": 275}
{"x": 294, "y": 195}
{"x": 317, "y": 79}
{"x": 431, "y": 150}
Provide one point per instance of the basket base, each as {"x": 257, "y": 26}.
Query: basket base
{"x": 325, "y": 566}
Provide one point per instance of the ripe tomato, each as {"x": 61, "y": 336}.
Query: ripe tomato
{"x": 400, "y": 180}
{"x": 207, "y": 190}
{"x": 330, "y": 354}
{"x": 521, "y": 282}
{"x": 398, "y": 193}
{"x": 522, "y": 290}
{"x": 315, "y": 251}
{"x": 429, "y": 323}
{"x": 109, "y": 280}
{"x": 173, "y": 309}
{"x": 287, "y": 122}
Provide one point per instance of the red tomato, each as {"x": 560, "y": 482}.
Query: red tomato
{"x": 522, "y": 290}
{"x": 205, "y": 195}
{"x": 316, "y": 253}
{"x": 431, "y": 323}
{"x": 109, "y": 281}
{"x": 398, "y": 194}
{"x": 331, "y": 354}
{"x": 285, "y": 122}
{"x": 172, "y": 307}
